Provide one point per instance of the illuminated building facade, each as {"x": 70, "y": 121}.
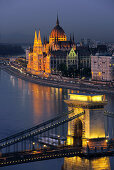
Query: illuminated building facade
{"x": 39, "y": 62}
{"x": 39, "y": 58}
{"x": 72, "y": 59}
{"x": 90, "y": 126}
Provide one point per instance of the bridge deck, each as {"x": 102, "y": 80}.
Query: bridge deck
{"x": 43, "y": 154}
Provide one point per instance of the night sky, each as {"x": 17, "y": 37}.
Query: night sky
{"x": 86, "y": 18}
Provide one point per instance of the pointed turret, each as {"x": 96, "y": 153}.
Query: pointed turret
{"x": 39, "y": 38}
{"x": 40, "y": 50}
{"x": 35, "y": 39}
{"x": 57, "y": 22}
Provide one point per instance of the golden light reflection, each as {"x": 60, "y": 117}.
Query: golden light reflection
{"x": 45, "y": 100}
{"x": 40, "y": 96}
{"x": 99, "y": 73}
{"x": 77, "y": 163}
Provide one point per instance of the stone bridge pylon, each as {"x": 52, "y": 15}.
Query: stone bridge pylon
{"x": 89, "y": 128}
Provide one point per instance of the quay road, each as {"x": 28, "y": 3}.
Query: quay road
{"x": 58, "y": 83}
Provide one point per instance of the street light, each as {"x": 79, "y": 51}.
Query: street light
{"x": 33, "y": 145}
{"x": 59, "y": 140}
{"x": 87, "y": 146}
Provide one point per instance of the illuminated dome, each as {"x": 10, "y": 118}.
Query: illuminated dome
{"x": 57, "y": 33}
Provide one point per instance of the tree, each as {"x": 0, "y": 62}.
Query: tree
{"x": 63, "y": 68}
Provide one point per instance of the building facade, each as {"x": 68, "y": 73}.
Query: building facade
{"x": 84, "y": 62}
{"x": 38, "y": 62}
{"x": 57, "y": 49}
{"x": 102, "y": 67}
{"x": 72, "y": 59}
{"x": 68, "y": 58}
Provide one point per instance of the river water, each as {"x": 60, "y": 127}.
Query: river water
{"x": 24, "y": 104}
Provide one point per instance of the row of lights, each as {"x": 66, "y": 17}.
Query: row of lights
{"x": 18, "y": 161}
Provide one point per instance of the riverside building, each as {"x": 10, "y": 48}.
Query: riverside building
{"x": 102, "y": 67}
{"x": 39, "y": 59}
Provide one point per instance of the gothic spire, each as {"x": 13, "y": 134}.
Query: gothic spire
{"x": 39, "y": 39}
{"x": 40, "y": 50}
{"x": 35, "y": 39}
{"x": 57, "y": 22}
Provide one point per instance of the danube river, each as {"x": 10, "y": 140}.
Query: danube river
{"x": 24, "y": 104}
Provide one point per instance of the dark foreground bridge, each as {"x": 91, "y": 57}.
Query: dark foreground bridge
{"x": 47, "y": 140}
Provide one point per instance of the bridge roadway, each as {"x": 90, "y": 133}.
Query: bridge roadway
{"x": 38, "y": 155}
{"x": 8, "y": 159}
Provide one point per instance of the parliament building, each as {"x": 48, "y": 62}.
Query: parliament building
{"x": 39, "y": 57}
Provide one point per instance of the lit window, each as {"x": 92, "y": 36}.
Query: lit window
{"x": 99, "y": 73}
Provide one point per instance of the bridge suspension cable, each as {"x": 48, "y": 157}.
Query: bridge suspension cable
{"x": 35, "y": 127}
{"x": 37, "y": 132}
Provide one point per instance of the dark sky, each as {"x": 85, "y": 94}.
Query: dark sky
{"x": 86, "y": 18}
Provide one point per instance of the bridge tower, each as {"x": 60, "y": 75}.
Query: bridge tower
{"x": 89, "y": 128}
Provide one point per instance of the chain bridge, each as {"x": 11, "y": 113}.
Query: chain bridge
{"x": 65, "y": 135}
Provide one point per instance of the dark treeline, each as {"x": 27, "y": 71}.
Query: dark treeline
{"x": 8, "y": 49}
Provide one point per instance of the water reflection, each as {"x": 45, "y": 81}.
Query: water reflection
{"x": 44, "y": 100}
{"x": 77, "y": 163}
{"x": 12, "y": 80}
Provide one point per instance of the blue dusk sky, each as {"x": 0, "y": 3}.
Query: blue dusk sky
{"x": 85, "y": 18}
